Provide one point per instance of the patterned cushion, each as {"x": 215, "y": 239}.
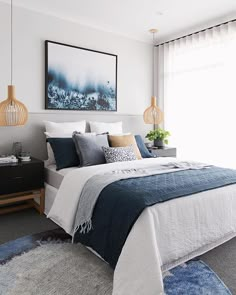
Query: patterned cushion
{"x": 119, "y": 154}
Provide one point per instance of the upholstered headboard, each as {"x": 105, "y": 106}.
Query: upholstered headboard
{"x": 32, "y": 134}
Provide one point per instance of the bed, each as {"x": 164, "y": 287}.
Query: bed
{"x": 165, "y": 234}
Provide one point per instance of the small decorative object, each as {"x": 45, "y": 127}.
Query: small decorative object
{"x": 148, "y": 144}
{"x": 159, "y": 136}
{"x": 16, "y": 148}
{"x": 79, "y": 78}
{"x": 12, "y": 111}
{"x": 25, "y": 156}
{"x": 153, "y": 114}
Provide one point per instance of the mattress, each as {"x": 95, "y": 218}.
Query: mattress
{"x": 53, "y": 177}
{"x": 50, "y": 195}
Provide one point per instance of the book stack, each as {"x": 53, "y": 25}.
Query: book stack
{"x": 8, "y": 159}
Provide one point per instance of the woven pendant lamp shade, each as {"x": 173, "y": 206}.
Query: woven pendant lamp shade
{"x": 153, "y": 114}
{"x": 12, "y": 111}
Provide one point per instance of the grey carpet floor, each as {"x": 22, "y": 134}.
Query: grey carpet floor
{"x": 23, "y": 223}
{"x": 15, "y": 225}
{"x": 223, "y": 261}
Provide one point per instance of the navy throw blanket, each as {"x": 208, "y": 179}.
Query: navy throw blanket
{"x": 121, "y": 203}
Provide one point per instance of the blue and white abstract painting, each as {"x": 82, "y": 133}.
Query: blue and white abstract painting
{"x": 80, "y": 79}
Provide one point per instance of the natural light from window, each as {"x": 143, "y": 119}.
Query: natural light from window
{"x": 200, "y": 96}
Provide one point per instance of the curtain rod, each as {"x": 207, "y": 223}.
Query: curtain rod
{"x": 197, "y": 32}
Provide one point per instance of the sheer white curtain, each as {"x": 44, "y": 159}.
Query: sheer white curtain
{"x": 197, "y": 90}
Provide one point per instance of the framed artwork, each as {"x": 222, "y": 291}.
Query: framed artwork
{"x": 77, "y": 78}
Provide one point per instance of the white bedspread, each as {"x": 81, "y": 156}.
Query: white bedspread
{"x": 165, "y": 234}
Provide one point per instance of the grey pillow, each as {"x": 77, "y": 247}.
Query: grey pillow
{"x": 119, "y": 154}
{"x": 89, "y": 148}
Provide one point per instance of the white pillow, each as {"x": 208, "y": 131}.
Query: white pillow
{"x": 111, "y": 128}
{"x": 60, "y": 130}
{"x": 65, "y": 127}
{"x": 51, "y": 158}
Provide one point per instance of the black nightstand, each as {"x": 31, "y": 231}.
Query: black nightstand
{"x": 20, "y": 184}
{"x": 165, "y": 152}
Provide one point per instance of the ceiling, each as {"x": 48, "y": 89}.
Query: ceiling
{"x": 133, "y": 18}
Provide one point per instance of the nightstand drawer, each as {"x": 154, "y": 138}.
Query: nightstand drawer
{"x": 13, "y": 185}
{"x": 18, "y": 178}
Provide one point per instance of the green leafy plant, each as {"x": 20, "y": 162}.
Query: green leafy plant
{"x": 158, "y": 134}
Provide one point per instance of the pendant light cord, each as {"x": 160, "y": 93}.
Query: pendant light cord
{"x": 153, "y": 57}
{"x": 11, "y": 44}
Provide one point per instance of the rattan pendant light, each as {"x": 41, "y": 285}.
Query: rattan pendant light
{"x": 153, "y": 114}
{"x": 12, "y": 111}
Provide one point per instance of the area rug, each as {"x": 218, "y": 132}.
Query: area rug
{"x": 194, "y": 278}
{"x": 56, "y": 267}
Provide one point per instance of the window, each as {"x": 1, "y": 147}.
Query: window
{"x": 199, "y": 95}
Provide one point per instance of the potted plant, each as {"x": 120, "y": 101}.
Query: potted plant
{"x": 159, "y": 136}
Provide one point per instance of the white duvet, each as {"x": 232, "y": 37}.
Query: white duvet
{"x": 165, "y": 234}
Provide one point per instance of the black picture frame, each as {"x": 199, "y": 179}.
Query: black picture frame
{"x": 61, "y": 95}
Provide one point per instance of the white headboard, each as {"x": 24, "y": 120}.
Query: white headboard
{"x": 32, "y": 134}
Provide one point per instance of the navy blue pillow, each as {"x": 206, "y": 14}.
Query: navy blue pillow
{"x": 64, "y": 152}
{"x": 142, "y": 148}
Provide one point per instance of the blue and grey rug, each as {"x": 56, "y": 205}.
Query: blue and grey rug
{"x": 194, "y": 278}
{"x": 48, "y": 263}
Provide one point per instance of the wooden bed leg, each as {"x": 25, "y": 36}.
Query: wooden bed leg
{"x": 42, "y": 201}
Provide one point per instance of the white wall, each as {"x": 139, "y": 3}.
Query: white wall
{"x": 32, "y": 28}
